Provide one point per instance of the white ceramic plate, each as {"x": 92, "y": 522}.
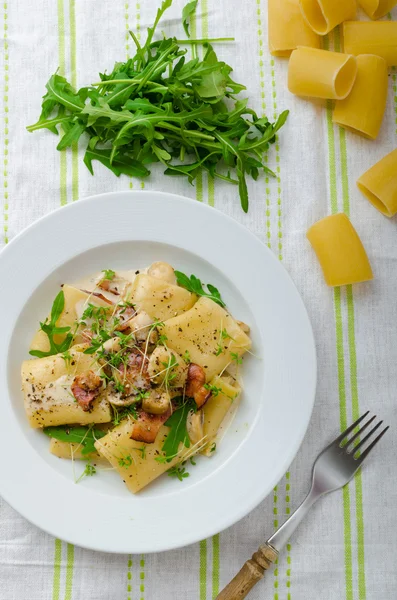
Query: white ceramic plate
{"x": 126, "y": 230}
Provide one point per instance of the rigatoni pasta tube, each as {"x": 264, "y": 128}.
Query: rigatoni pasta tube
{"x": 363, "y": 109}
{"x": 321, "y": 74}
{"x": 376, "y": 9}
{"x": 288, "y": 29}
{"x": 379, "y": 184}
{"x": 365, "y": 37}
{"x": 324, "y": 15}
{"x": 339, "y": 250}
{"x": 143, "y": 465}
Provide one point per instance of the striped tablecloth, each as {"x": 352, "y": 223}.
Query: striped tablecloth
{"x": 348, "y": 546}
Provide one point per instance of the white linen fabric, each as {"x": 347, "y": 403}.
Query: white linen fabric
{"x": 347, "y": 548}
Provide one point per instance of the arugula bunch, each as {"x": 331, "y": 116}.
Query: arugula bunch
{"x": 160, "y": 107}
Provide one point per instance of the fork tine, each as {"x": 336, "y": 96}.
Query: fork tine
{"x": 342, "y": 436}
{"x": 371, "y": 446}
{"x": 359, "y": 432}
{"x": 362, "y": 442}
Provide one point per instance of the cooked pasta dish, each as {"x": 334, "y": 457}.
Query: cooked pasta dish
{"x": 137, "y": 369}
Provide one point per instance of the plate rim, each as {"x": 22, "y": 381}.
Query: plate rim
{"x": 310, "y": 401}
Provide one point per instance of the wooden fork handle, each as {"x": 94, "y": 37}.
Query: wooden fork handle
{"x": 250, "y": 573}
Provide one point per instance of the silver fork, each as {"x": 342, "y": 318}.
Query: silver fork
{"x": 334, "y": 467}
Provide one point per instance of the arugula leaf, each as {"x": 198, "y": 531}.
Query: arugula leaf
{"x": 51, "y": 330}
{"x": 59, "y": 91}
{"x": 187, "y": 12}
{"x": 158, "y": 107}
{"x": 178, "y": 430}
{"x": 122, "y": 164}
{"x": 194, "y": 285}
{"x": 84, "y": 436}
{"x": 73, "y": 135}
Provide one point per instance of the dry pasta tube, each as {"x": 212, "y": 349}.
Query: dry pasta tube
{"x": 376, "y": 9}
{"x": 288, "y": 29}
{"x": 365, "y": 37}
{"x": 362, "y": 111}
{"x": 321, "y": 74}
{"x": 324, "y": 15}
{"x": 379, "y": 184}
{"x": 339, "y": 250}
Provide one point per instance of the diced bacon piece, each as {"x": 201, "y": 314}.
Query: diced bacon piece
{"x": 147, "y": 426}
{"x": 85, "y": 388}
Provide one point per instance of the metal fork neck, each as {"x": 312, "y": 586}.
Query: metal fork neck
{"x": 283, "y": 533}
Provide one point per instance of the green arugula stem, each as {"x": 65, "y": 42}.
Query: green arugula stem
{"x": 206, "y": 40}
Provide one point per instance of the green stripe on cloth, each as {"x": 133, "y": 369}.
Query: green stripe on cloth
{"x": 203, "y": 570}
{"x": 62, "y": 69}
{"x": 142, "y": 578}
{"x": 340, "y": 350}
{"x": 129, "y": 577}
{"x": 288, "y": 512}
{"x": 127, "y": 30}
{"x": 56, "y": 582}
{"x": 73, "y": 75}
{"x": 69, "y": 572}
{"x": 263, "y": 107}
{"x": 199, "y": 197}
{"x": 205, "y": 34}
{"x": 193, "y": 32}
{"x": 63, "y": 200}
{"x": 355, "y": 414}
{"x": 127, "y": 51}
{"x": 351, "y": 337}
{"x": 75, "y": 193}
{"x": 278, "y": 170}
{"x": 215, "y": 565}
{"x": 280, "y": 257}
{"x": 138, "y": 20}
{"x": 138, "y": 35}
{"x": 211, "y": 202}
{"x": 6, "y": 122}
{"x": 275, "y": 525}
{"x": 343, "y": 425}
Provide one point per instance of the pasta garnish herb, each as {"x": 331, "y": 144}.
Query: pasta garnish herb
{"x": 219, "y": 349}
{"x": 186, "y": 356}
{"x": 225, "y": 335}
{"x": 213, "y": 447}
{"x": 179, "y": 472}
{"x": 162, "y": 340}
{"x": 108, "y": 274}
{"x": 125, "y": 461}
{"x": 141, "y": 451}
{"x": 178, "y": 433}
{"x": 49, "y": 327}
{"x": 120, "y": 415}
{"x": 169, "y": 377}
{"x": 67, "y": 357}
{"x": 194, "y": 285}
{"x": 160, "y": 107}
{"x": 89, "y": 471}
{"x": 213, "y": 389}
{"x": 236, "y": 358}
